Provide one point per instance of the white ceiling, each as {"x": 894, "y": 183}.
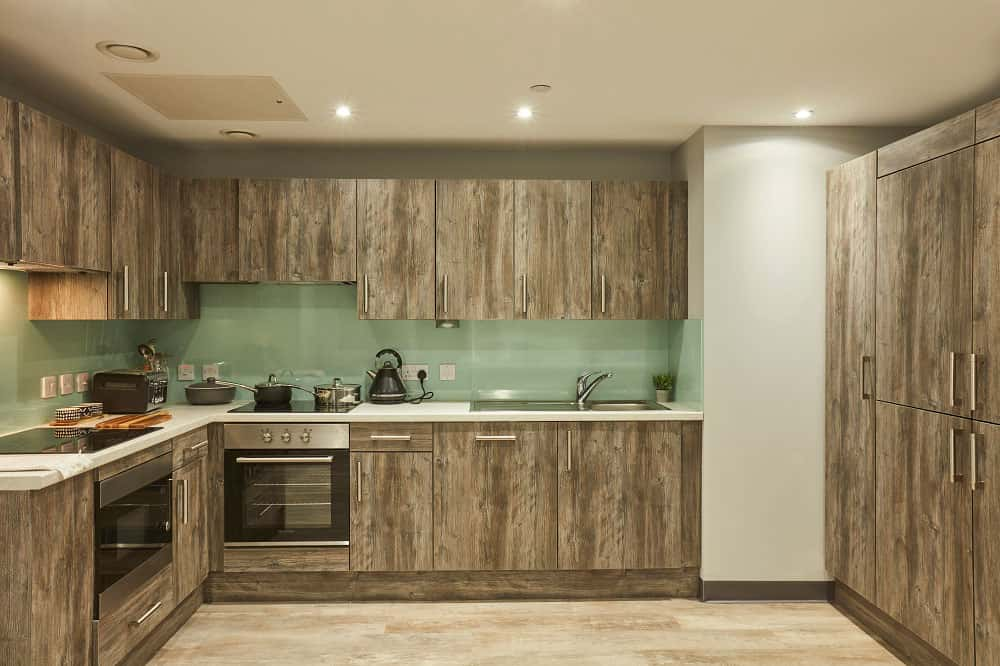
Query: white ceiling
{"x": 624, "y": 72}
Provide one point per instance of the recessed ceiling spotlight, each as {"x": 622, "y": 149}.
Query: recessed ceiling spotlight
{"x": 524, "y": 112}
{"x": 129, "y": 52}
{"x": 238, "y": 134}
{"x": 541, "y": 88}
{"x": 343, "y": 111}
{"x": 803, "y": 114}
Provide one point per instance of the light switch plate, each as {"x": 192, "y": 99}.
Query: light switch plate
{"x": 210, "y": 370}
{"x": 82, "y": 382}
{"x": 447, "y": 372}
{"x": 409, "y": 372}
{"x": 185, "y": 372}
{"x": 50, "y": 386}
{"x": 66, "y": 383}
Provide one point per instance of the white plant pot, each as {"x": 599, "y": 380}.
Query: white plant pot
{"x": 662, "y": 396}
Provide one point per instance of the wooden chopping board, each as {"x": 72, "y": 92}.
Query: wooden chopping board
{"x": 134, "y": 421}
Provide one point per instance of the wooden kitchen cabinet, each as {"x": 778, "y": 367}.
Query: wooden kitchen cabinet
{"x": 988, "y": 121}
{"x": 924, "y": 522}
{"x": 298, "y": 230}
{"x": 495, "y": 496}
{"x": 552, "y": 249}
{"x": 924, "y": 284}
{"x": 180, "y": 299}
{"x": 391, "y": 523}
{"x": 850, "y": 378}
{"x": 640, "y": 250}
{"x": 9, "y": 249}
{"x": 937, "y": 140}
{"x": 985, "y": 489}
{"x": 475, "y": 249}
{"x": 986, "y": 282}
{"x": 209, "y": 230}
{"x": 136, "y": 255}
{"x": 396, "y": 249}
{"x": 190, "y": 527}
{"x": 65, "y": 183}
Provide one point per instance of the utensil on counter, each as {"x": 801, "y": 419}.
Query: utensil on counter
{"x": 271, "y": 392}
{"x": 134, "y": 421}
{"x": 387, "y": 385}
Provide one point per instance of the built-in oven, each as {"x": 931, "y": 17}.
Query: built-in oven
{"x": 287, "y": 484}
{"x": 132, "y": 531}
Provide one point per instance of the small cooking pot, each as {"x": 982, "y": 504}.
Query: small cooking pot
{"x": 271, "y": 392}
{"x": 209, "y": 393}
{"x": 337, "y": 394}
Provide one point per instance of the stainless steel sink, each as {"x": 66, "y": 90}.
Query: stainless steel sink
{"x": 564, "y": 406}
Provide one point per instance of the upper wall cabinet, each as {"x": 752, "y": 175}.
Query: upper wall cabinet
{"x": 298, "y": 229}
{"x": 475, "y": 249}
{"x": 8, "y": 180}
{"x": 552, "y": 249}
{"x": 65, "y": 182}
{"x": 179, "y": 299}
{"x": 986, "y": 282}
{"x": 396, "y": 249}
{"x": 640, "y": 250}
{"x": 945, "y": 137}
{"x": 210, "y": 230}
{"x": 136, "y": 255}
{"x": 988, "y": 121}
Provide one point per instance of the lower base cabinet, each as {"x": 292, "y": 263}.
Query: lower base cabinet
{"x": 124, "y": 629}
{"x": 190, "y": 526}
{"x": 391, "y": 525}
{"x": 986, "y": 544}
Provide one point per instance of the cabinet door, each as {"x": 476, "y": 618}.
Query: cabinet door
{"x": 985, "y": 487}
{"x": 210, "y": 230}
{"x": 653, "y": 494}
{"x": 65, "y": 179}
{"x": 924, "y": 300}
{"x": 495, "y": 496}
{"x": 391, "y": 511}
{"x": 924, "y": 527}
{"x": 850, "y": 357}
{"x": 135, "y": 238}
{"x": 986, "y": 282}
{"x": 190, "y": 527}
{"x": 9, "y": 250}
{"x": 591, "y": 495}
{"x": 552, "y": 243}
{"x": 475, "y": 249}
{"x": 297, "y": 229}
{"x": 396, "y": 249}
{"x": 176, "y": 299}
{"x": 640, "y": 250}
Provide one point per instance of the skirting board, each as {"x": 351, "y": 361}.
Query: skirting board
{"x": 766, "y": 590}
{"x": 450, "y": 585}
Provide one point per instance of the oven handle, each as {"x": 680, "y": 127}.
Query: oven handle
{"x": 285, "y": 459}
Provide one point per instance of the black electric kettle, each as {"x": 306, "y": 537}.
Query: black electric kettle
{"x": 387, "y": 385}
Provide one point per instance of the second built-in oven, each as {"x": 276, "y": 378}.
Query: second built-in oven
{"x": 287, "y": 484}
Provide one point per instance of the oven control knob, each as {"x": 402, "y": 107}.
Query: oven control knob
{"x": 267, "y": 437}
{"x": 286, "y": 437}
{"x": 305, "y": 437}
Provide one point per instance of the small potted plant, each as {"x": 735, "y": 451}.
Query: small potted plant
{"x": 664, "y": 386}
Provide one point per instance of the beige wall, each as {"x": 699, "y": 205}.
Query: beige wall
{"x": 764, "y": 312}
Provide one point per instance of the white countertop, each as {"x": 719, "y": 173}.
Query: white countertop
{"x": 32, "y": 472}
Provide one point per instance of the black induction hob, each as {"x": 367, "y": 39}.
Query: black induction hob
{"x": 66, "y": 440}
{"x": 293, "y": 407}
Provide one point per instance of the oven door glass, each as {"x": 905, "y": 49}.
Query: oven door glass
{"x": 287, "y": 495}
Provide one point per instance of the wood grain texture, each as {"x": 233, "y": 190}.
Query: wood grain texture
{"x": 495, "y": 501}
{"x": 396, "y": 249}
{"x": 986, "y": 546}
{"x": 945, "y": 137}
{"x": 632, "y": 252}
{"x": 137, "y": 458}
{"x": 369, "y": 437}
{"x": 850, "y": 339}
{"x": 288, "y": 558}
{"x": 189, "y": 447}
{"x": 691, "y": 494}
{"x": 118, "y": 634}
{"x": 164, "y": 631}
{"x": 653, "y": 495}
{"x": 552, "y": 249}
{"x": 190, "y": 527}
{"x": 391, "y": 521}
{"x": 16, "y": 552}
{"x": 10, "y": 239}
{"x": 182, "y": 298}
{"x": 988, "y": 121}
{"x": 924, "y": 288}
{"x": 899, "y": 640}
{"x": 475, "y": 249}
{"x": 298, "y": 230}
{"x": 677, "y": 242}
{"x": 65, "y": 184}
{"x": 136, "y": 254}
{"x": 986, "y": 281}
{"x": 216, "y": 504}
{"x": 210, "y": 230}
{"x": 591, "y": 495}
{"x": 68, "y": 296}
{"x": 452, "y": 585}
{"x": 923, "y": 516}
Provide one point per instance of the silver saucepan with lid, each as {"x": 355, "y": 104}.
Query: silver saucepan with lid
{"x": 337, "y": 394}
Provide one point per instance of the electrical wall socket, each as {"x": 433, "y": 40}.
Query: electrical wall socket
{"x": 185, "y": 372}
{"x": 82, "y": 382}
{"x": 409, "y": 372}
{"x": 66, "y": 383}
{"x": 210, "y": 370}
{"x": 50, "y": 386}
{"x": 446, "y": 372}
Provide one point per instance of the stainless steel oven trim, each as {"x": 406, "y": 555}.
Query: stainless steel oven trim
{"x": 132, "y": 479}
{"x": 122, "y": 590}
{"x": 320, "y": 435}
{"x": 282, "y": 544}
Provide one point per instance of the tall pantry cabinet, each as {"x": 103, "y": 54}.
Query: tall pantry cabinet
{"x": 913, "y": 392}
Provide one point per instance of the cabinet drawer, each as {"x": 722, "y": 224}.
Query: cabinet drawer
{"x": 125, "y": 628}
{"x": 190, "y": 446}
{"x": 392, "y": 437}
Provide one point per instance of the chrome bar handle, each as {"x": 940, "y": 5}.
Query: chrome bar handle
{"x": 955, "y": 475}
{"x": 974, "y": 481}
{"x": 284, "y": 459}
{"x": 865, "y": 363}
{"x": 972, "y": 382}
{"x": 359, "y": 481}
{"x": 445, "y": 293}
{"x": 199, "y": 445}
{"x": 496, "y": 438}
{"x": 524, "y": 295}
{"x": 604, "y": 299}
{"x": 391, "y": 438}
{"x": 165, "y": 291}
{"x": 184, "y": 482}
{"x": 569, "y": 450}
{"x": 145, "y": 616}
{"x": 366, "y": 294}
{"x": 125, "y": 288}
{"x": 951, "y": 380}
